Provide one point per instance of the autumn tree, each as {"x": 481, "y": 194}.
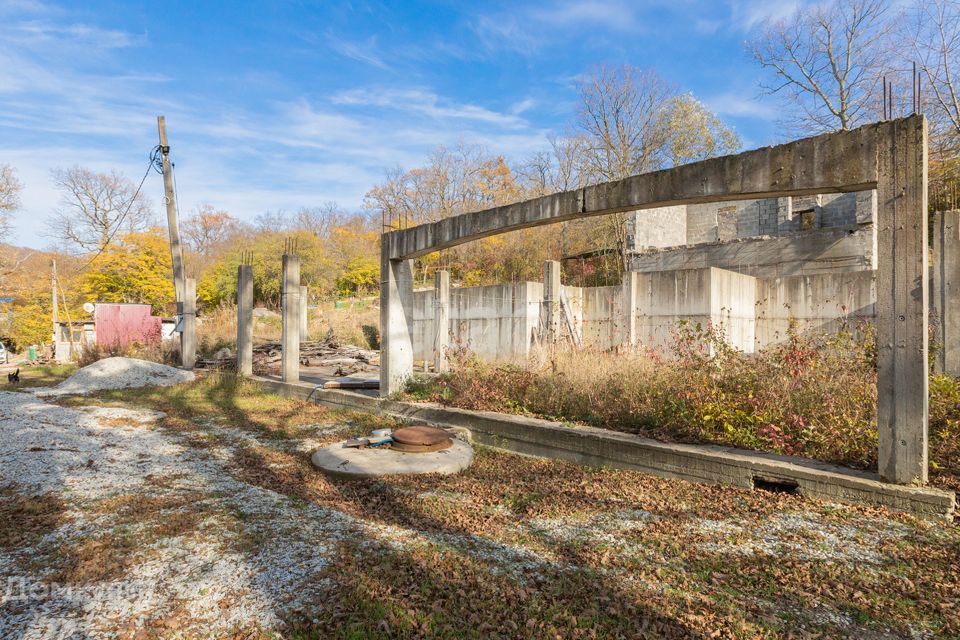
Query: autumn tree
{"x": 209, "y": 228}
{"x": 632, "y": 121}
{"x": 95, "y": 207}
{"x": 322, "y": 220}
{"x": 827, "y": 60}
{"x": 317, "y": 271}
{"x": 930, "y": 33}
{"x": 695, "y": 133}
{"x": 10, "y": 188}
{"x": 136, "y": 267}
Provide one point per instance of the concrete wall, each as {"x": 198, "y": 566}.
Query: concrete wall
{"x": 497, "y": 322}
{"x": 708, "y": 297}
{"x": 817, "y": 303}
{"x": 663, "y": 227}
{"x": 502, "y": 322}
{"x": 820, "y": 251}
{"x": 602, "y": 316}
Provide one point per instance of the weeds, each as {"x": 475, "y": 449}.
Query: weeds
{"x": 810, "y": 396}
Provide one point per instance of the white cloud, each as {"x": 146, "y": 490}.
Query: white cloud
{"x": 737, "y": 106}
{"x": 425, "y": 103}
{"x": 41, "y": 34}
{"x": 60, "y": 106}
{"x": 529, "y": 29}
{"x": 747, "y": 14}
{"x": 365, "y": 51}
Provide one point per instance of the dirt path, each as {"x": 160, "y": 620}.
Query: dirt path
{"x": 121, "y": 522}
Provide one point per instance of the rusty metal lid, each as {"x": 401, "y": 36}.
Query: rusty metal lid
{"x": 421, "y": 436}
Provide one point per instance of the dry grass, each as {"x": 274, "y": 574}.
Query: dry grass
{"x": 353, "y": 322}
{"x": 46, "y": 375}
{"x": 26, "y": 518}
{"x": 809, "y": 397}
{"x": 517, "y": 547}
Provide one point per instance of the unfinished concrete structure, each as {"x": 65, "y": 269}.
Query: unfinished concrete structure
{"x": 503, "y": 322}
{"x": 946, "y": 291}
{"x": 290, "y": 310}
{"x": 245, "y": 320}
{"x": 888, "y": 157}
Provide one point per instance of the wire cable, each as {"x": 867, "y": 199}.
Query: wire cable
{"x": 133, "y": 200}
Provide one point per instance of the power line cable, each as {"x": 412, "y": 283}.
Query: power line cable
{"x": 154, "y": 154}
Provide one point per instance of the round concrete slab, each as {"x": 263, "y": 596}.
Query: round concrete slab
{"x": 379, "y": 461}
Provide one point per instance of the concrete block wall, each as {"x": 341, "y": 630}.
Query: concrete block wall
{"x": 701, "y": 224}
{"x": 696, "y": 224}
{"x": 662, "y": 227}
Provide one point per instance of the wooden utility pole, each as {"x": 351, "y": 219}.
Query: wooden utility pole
{"x": 186, "y": 295}
{"x": 173, "y": 224}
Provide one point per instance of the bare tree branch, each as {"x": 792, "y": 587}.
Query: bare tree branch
{"x": 827, "y": 60}
{"x": 95, "y": 206}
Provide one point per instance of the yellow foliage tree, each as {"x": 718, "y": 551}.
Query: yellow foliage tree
{"x": 135, "y": 269}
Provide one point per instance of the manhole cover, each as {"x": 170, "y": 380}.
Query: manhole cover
{"x": 420, "y": 439}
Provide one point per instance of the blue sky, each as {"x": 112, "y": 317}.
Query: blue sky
{"x": 277, "y": 105}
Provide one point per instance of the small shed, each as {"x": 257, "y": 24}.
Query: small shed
{"x": 120, "y": 325}
{"x": 114, "y": 325}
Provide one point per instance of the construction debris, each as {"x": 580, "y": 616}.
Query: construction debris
{"x": 344, "y": 359}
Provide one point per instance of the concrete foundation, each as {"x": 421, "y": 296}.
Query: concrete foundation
{"x": 695, "y": 463}
{"x": 889, "y": 157}
{"x": 335, "y": 459}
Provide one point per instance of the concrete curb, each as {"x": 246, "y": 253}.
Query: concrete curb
{"x": 600, "y": 447}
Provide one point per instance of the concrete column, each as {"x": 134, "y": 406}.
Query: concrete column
{"x": 902, "y": 300}
{"x": 188, "y": 339}
{"x": 290, "y": 297}
{"x": 245, "y": 320}
{"x": 631, "y": 280}
{"x": 551, "y": 302}
{"x": 304, "y": 325}
{"x": 396, "y": 315}
{"x": 441, "y": 320}
{"x": 946, "y": 290}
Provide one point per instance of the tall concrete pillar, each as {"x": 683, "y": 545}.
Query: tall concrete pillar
{"x": 441, "y": 320}
{"x": 245, "y": 320}
{"x": 304, "y": 324}
{"x": 631, "y": 280}
{"x": 902, "y": 301}
{"x": 290, "y": 298}
{"x": 551, "y": 302}
{"x": 396, "y": 315}
{"x": 946, "y": 290}
{"x": 188, "y": 339}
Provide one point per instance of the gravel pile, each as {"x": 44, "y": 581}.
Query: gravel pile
{"x": 117, "y": 373}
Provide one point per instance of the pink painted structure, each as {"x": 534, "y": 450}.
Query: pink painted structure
{"x": 120, "y": 325}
